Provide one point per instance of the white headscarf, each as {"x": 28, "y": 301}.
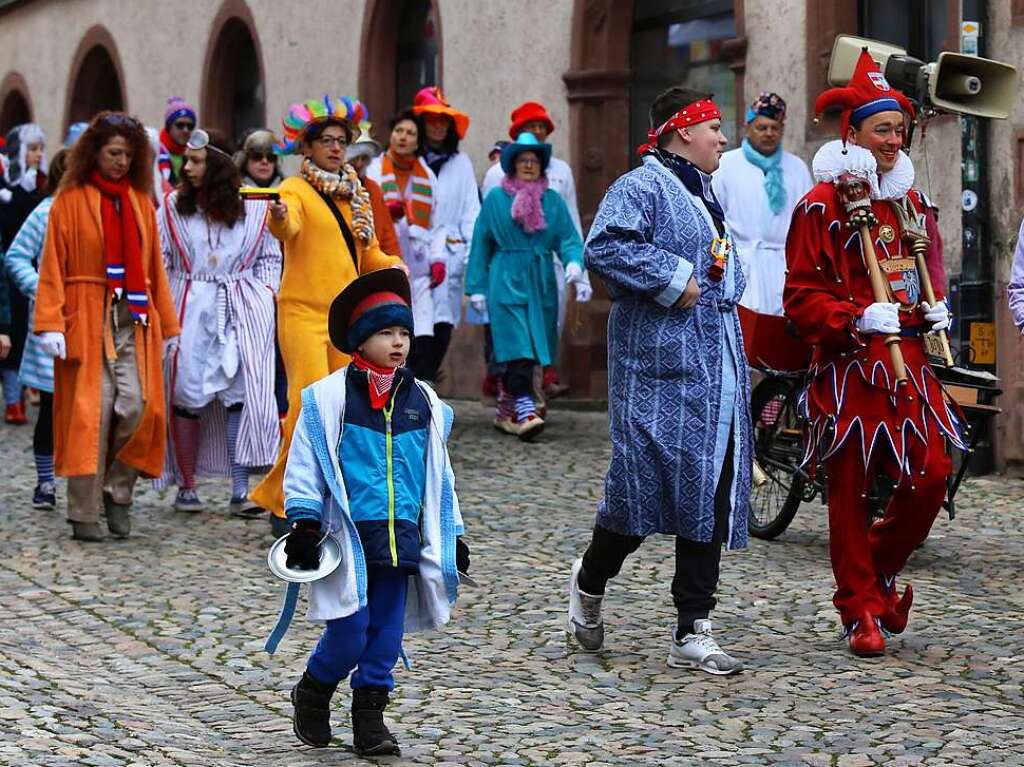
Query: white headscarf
{"x": 18, "y": 140}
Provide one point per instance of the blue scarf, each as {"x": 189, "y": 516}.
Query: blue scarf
{"x": 696, "y": 181}
{"x": 771, "y": 166}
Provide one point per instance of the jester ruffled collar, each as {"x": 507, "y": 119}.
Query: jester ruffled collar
{"x": 834, "y": 160}
{"x": 344, "y": 186}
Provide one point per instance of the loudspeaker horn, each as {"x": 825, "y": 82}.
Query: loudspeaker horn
{"x": 971, "y": 85}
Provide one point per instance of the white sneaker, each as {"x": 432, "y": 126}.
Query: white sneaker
{"x": 585, "y": 623}
{"x": 700, "y": 650}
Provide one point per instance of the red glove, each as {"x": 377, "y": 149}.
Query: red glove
{"x": 437, "y": 273}
{"x": 397, "y": 210}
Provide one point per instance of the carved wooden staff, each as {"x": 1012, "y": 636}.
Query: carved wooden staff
{"x": 917, "y": 241}
{"x": 856, "y": 196}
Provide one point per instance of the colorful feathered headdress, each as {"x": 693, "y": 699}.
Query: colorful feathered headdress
{"x": 867, "y": 93}
{"x": 300, "y": 117}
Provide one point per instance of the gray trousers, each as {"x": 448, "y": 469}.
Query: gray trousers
{"x": 121, "y": 408}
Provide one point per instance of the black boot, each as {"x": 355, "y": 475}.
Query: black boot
{"x": 370, "y": 735}
{"x": 312, "y": 719}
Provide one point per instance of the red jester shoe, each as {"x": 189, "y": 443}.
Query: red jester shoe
{"x": 897, "y": 608}
{"x": 15, "y": 414}
{"x": 866, "y": 640}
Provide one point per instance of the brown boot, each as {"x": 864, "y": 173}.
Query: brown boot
{"x": 87, "y": 531}
{"x": 118, "y": 517}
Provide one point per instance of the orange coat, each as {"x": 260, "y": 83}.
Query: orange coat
{"x": 73, "y": 299}
{"x": 382, "y": 223}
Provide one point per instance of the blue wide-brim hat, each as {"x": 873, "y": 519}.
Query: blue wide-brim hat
{"x": 526, "y": 142}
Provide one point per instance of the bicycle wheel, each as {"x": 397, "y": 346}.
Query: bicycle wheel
{"x": 778, "y": 449}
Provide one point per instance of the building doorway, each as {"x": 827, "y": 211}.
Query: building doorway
{"x": 401, "y": 53}
{"x": 14, "y": 110}
{"x": 95, "y": 87}
{"x": 233, "y": 95}
{"x": 680, "y": 42}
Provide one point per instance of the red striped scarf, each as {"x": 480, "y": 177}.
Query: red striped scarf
{"x": 122, "y": 245}
{"x": 397, "y": 174}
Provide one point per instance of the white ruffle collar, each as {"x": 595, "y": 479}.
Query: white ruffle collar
{"x": 831, "y": 162}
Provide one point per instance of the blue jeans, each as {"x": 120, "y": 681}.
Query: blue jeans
{"x": 368, "y": 641}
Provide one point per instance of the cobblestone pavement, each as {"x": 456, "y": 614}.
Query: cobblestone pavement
{"x": 148, "y": 652}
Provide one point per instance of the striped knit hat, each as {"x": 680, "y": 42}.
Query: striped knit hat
{"x": 370, "y": 303}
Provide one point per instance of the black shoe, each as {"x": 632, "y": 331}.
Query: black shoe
{"x": 119, "y": 521}
{"x": 312, "y": 718}
{"x": 45, "y": 496}
{"x": 370, "y": 736}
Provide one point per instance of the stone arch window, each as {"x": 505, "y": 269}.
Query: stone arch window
{"x": 15, "y": 105}
{"x": 96, "y": 81}
{"x": 400, "y": 53}
{"x": 233, "y": 97}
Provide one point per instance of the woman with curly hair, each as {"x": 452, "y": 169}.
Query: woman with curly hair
{"x": 104, "y": 309}
{"x": 324, "y": 220}
{"x": 224, "y": 266}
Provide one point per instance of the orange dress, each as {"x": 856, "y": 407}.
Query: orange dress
{"x": 73, "y": 299}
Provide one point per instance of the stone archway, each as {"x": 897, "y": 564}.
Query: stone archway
{"x": 233, "y": 97}
{"x": 96, "y": 80}
{"x": 397, "y": 37}
{"x": 15, "y": 104}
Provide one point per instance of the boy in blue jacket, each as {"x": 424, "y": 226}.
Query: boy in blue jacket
{"x": 368, "y": 464}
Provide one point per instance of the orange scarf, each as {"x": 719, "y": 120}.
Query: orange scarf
{"x": 406, "y": 181}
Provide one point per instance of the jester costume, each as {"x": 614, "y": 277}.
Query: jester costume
{"x": 862, "y": 422}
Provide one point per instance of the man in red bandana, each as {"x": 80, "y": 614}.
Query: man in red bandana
{"x": 864, "y": 422}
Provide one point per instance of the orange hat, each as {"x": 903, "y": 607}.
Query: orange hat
{"x": 431, "y": 101}
{"x": 527, "y": 112}
{"x": 867, "y": 93}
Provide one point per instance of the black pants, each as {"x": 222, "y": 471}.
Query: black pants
{"x": 518, "y": 377}
{"x": 697, "y": 564}
{"x": 42, "y": 439}
{"x": 428, "y": 352}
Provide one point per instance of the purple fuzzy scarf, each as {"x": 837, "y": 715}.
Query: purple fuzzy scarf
{"x": 527, "y": 210}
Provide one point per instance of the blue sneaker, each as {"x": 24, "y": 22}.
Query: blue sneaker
{"x": 45, "y": 496}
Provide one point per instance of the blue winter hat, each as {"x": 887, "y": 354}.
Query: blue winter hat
{"x": 371, "y": 302}
{"x": 74, "y": 131}
{"x": 526, "y": 142}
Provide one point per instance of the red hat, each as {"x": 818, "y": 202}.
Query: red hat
{"x": 867, "y": 93}
{"x": 431, "y": 101}
{"x": 527, "y": 112}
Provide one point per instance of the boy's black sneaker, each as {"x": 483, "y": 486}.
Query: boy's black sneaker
{"x": 312, "y": 718}
{"x": 370, "y": 736}
{"x": 45, "y": 496}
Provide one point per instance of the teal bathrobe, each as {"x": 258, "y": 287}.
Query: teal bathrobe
{"x": 514, "y": 270}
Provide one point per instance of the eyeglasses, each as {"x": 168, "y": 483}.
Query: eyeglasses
{"x": 261, "y": 156}
{"x": 200, "y": 139}
{"x": 331, "y": 141}
{"x": 184, "y": 125}
{"x": 527, "y": 160}
{"x": 119, "y": 120}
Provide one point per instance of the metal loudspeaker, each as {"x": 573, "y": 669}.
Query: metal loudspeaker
{"x": 966, "y": 85}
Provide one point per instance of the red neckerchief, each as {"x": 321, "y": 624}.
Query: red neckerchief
{"x": 380, "y": 380}
{"x": 170, "y": 144}
{"x": 122, "y": 245}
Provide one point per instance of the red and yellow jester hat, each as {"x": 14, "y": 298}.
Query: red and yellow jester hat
{"x": 867, "y": 93}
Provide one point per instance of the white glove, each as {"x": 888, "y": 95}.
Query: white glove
{"x": 573, "y": 273}
{"x": 937, "y": 315}
{"x": 584, "y": 292}
{"x": 880, "y": 318}
{"x": 479, "y": 302}
{"x": 52, "y": 343}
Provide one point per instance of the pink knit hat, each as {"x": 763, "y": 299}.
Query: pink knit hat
{"x": 178, "y": 107}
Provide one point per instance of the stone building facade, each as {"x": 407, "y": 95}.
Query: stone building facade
{"x": 593, "y": 63}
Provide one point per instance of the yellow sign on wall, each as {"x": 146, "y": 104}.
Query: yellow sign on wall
{"x": 983, "y": 342}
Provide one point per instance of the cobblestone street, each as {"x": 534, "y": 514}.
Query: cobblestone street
{"x": 149, "y": 651}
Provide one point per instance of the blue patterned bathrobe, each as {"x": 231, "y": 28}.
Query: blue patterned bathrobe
{"x": 677, "y": 378}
